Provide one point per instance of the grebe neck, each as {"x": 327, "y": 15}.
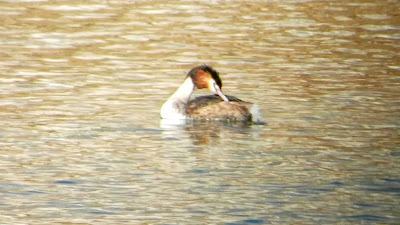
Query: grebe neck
{"x": 175, "y": 106}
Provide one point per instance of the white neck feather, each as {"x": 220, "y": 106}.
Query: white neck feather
{"x": 175, "y": 106}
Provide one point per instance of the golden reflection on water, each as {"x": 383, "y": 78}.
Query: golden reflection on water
{"x": 82, "y": 82}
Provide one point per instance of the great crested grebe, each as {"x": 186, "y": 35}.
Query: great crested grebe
{"x": 208, "y": 107}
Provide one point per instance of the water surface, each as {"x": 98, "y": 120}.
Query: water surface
{"x": 82, "y": 82}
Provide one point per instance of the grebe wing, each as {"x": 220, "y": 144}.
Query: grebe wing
{"x": 213, "y": 107}
{"x": 205, "y": 100}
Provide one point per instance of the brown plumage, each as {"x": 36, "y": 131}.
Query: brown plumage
{"x": 212, "y": 107}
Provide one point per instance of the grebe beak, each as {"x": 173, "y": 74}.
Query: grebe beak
{"x": 217, "y": 90}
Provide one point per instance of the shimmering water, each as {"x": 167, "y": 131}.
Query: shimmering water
{"x": 82, "y": 82}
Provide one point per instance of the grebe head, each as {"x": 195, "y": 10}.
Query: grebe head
{"x": 206, "y": 77}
